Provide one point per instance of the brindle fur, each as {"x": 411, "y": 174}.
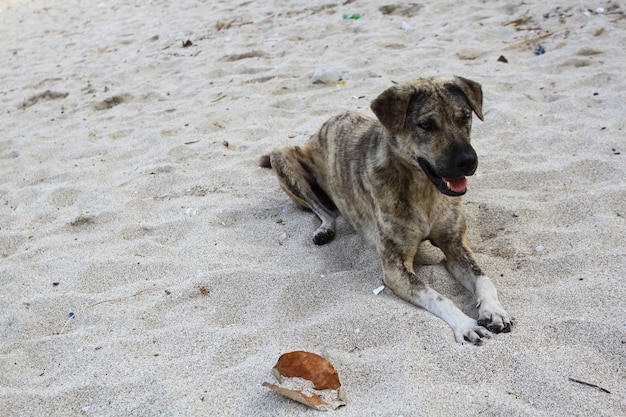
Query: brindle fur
{"x": 368, "y": 171}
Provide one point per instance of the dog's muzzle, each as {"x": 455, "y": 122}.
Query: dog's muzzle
{"x": 452, "y": 183}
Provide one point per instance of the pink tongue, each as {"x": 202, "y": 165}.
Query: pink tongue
{"x": 456, "y": 184}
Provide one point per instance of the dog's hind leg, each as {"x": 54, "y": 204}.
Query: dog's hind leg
{"x": 297, "y": 176}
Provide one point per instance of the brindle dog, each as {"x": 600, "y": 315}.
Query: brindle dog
{"x": 397, "y": 182}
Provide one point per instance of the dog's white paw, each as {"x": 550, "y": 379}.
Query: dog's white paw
{"x": 469, "y": 331}
{"x": 492, "y": 316}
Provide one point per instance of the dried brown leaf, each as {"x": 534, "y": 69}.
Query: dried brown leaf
{"x": 308, "y": 366}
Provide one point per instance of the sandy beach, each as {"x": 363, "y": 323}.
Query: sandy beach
{"x": 150, "y": 267}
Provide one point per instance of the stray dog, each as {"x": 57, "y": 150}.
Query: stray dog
{"x": 396, "y": 180}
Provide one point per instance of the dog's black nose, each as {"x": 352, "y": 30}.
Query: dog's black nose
{"x": 466, "y": 162}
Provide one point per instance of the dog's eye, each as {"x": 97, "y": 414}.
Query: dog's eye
{"x": 427, "y": 125}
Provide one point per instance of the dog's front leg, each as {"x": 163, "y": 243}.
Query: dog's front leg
{"x": 399, "y": 276}
{"x": 462, "y": 265}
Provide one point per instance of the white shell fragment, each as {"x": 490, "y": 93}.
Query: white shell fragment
{"x": 379, "y": 290}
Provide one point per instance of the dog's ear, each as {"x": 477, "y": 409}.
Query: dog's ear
{"x": 473, "y": 92}
{"x": 391, "y": 106}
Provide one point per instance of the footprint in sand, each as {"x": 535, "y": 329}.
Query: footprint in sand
{"x": 110, "y": 102}
{"x": 46, "y": 95}
{"x": 406, "y": 10}
{"x": 245, "y": 55}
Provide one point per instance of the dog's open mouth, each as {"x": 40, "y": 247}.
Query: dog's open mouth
{"x": 454, "y": 187}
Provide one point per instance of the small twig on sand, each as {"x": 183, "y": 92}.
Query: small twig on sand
{"x": 590, "y": 385}
{"x": 73, "y": 315}
{"x": 524, "y": 41}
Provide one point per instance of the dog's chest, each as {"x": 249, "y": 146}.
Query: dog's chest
{"x": 421, "y": 209}
{"x": 397, "y": 206}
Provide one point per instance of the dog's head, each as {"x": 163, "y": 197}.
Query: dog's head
{"x": 430, "y": 122}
